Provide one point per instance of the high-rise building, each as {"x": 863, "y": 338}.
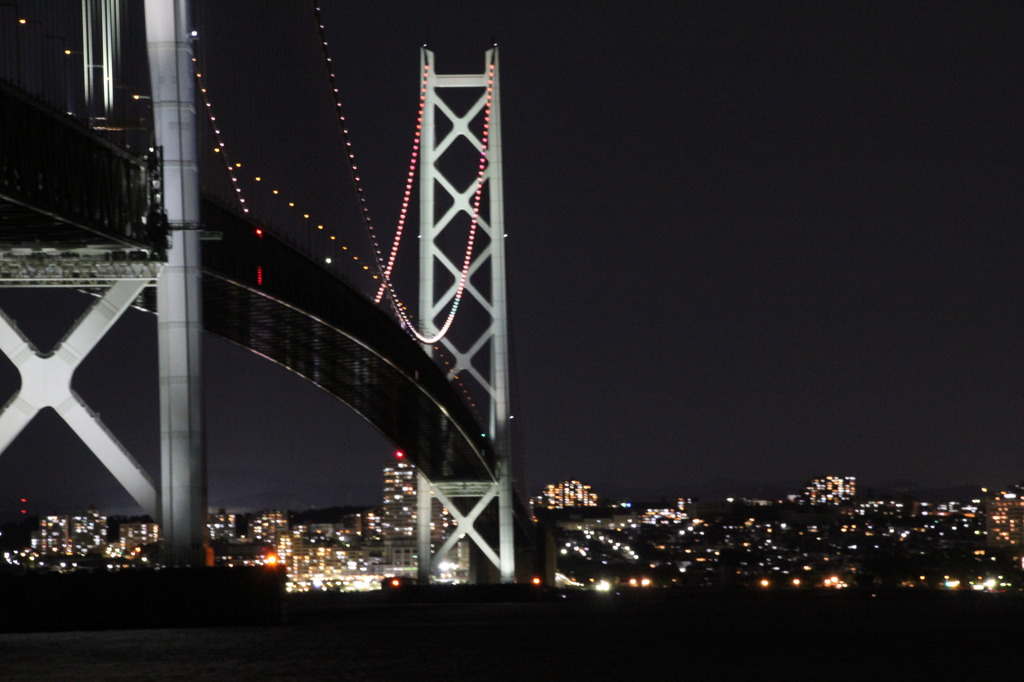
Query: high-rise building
{"x": 137, "y": 534}
{"x": 55, "y": 535}
{"x": 1004, "y": 520}
{"x": 831, "y": 489}
{"x": 221, "y": 526}
{"x": 88, "y": 532}
{"x": 267, "y": 526}
{"x": 399, "y": 511}
{"x": 80, "y": 534}
{"x": 565, "y": 494}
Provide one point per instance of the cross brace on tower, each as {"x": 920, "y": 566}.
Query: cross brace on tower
{"x": 485, "y": 358}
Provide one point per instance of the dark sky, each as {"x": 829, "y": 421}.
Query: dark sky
{"x": 750, "y": 243}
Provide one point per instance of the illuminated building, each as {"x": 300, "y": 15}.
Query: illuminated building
{"x": 398, "y": 518}
{"x": 88, "y": 532}
{"x": 831, "y": 489}
{"x": 267, "y": 526}
{"x": 138, "y": 534}
{"x": 55, "y": 535}
{"x": 565, "y": 494}
{"x": 221, "y": 526}
{"x": 82, "y": 534}
{"x": 374, "y": 522}
{"x": 1004, "y": 522}
{"x": 398, "y": 513}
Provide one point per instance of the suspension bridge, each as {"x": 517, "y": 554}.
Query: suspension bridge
{"x": 95, "y": 200}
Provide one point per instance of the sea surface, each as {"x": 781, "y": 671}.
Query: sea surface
{"x": 631, "y": 636}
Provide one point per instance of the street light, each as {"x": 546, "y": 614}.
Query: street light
{"x": 65, "y": 53}
{"x": 17, "y": 40}
{"x": 39, "y": 90}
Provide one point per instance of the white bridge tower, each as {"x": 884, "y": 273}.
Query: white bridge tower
{"x": 471, "y": 114}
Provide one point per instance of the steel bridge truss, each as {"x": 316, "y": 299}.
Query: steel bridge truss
{"x": 78, "y": 211}
{"x": 484, "y": 356}
{"x": 46, "y": 382}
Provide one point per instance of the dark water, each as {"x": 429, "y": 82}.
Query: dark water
{"x": 703, "y": 637}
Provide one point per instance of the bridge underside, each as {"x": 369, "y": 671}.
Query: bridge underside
{"x": 78, "y": 211}
{"x": 264, "y": 296}
{"x": 65, "y": 190}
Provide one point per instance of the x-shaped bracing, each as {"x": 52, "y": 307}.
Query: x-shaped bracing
{"x": 464, "y": 523}
{"x": 46, "y": 382}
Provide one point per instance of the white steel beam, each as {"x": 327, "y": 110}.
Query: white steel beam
{"x": 464, "y": 527}
{"x": 46, "y": 382}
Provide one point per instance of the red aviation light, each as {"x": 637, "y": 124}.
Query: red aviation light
{"x": 259, "y": 275}
{"x": 399, "y": 454}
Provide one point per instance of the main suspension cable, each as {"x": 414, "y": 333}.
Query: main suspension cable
{"x": 386, "y": 270}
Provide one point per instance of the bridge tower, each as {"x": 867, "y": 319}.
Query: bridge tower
{"x": 179, "y": 288}
{"x": 483, "y": 356}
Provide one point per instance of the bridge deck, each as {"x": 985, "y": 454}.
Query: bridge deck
{"x": 64, "y": 188}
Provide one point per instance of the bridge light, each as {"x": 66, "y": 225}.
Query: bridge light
{"x": 399, "y": 454}
{"x": 259, "y": 231}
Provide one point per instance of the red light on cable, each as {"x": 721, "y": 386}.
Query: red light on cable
{"x": 259, "y": 231}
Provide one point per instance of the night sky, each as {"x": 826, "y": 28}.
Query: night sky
{"x": 749, "y": 243}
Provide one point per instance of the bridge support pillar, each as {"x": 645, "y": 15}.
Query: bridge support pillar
{"x": 179, "y": 294}
{"x": 424, "y": 504}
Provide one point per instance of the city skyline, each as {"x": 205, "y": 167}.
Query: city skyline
{"x": 748, "y": 245}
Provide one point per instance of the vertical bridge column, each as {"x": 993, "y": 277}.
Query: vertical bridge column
{"x": 490, "y": 347}
{"x": 179, "y": 294}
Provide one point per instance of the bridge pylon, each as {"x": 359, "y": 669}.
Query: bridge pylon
{"x": 483, "y": 356}
{"x": 179, "y": 288}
